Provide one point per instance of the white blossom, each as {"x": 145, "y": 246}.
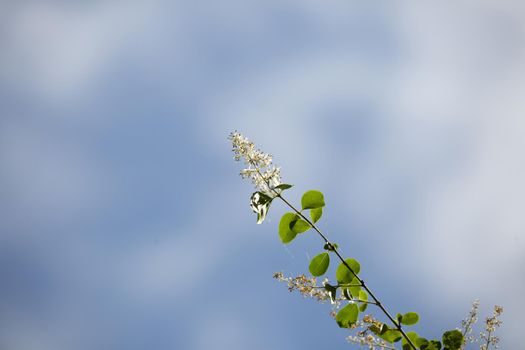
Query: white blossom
{"x": 259, "y": 168}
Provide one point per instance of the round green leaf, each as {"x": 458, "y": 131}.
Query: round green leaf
{"x": 452, "y": 340}
{"x": 298, "y": 225}
{"x": 312, "y": 199}
{"x": 285, "y": 233}
{"x": 316, "y": 214}
{"x": 410, "y": 318}
{"x": 347, "y": 316}
{"x": 343, "y": 275}
{"x": 319, "y": 264}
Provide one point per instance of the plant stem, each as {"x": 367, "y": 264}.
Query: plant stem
{"x": 467, "y": 329}
{"x": 362, "y": 301}
{"x": 376, "y": 301}
{"x": 488, "y": 341}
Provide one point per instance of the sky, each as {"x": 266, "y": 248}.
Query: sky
{"x": 124, "y": 223}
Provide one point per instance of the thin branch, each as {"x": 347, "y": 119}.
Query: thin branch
{"x": 488, "y": 341}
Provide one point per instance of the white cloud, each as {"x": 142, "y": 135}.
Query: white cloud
{"x": 58, "y": 51}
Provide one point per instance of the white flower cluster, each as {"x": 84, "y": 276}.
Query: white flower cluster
{"x": 307, "y": 286}
{"x": 468, "y": 323}
{"x": 260, "y": 170}
{"x": 368, "y": 340}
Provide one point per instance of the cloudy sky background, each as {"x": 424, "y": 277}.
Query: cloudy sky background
{"x": 124, "y": 224}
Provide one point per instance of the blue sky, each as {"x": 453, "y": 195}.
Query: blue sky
{"x": 124, "y": 224}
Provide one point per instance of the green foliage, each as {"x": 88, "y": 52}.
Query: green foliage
{"x": 347, "y": 294}
{"x": 332, "y": 291}
{"x": 298, "y": 225}
{"x": 410, "y": 318}
{"x": 452, "y": 340}
{"x": 363, "y": 295}
{"x": 391, "y": 336}
{"x": 319, "y": 264}
{"x": 386, "y": 333}
{"x": 347, "y": 316}
{"x": 379, "y": 330}
{"x": 283, "y": 186}
{"x": 343, "y": 274}
{"x": 355, "y": 287}
{"x": 312, "y": 199}
{"x": 285, "y": 233}
{"x": 316, "y": 214}
{"x": 330, "y": 246}
{"x": 413, "y": 337}
{"x": 430, "y": 345}
{"x": 420, "y": 342}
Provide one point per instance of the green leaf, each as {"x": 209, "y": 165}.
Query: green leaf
{"x": 363, "y": 296}
{"x": 312, "y": 199}
{"x": 298, "y": 225}
{"x": 452, "y": 340}
{"x": 399, "y": 317}
{"x": 331, "y": 246}
{"x": 355, "y": 289}
{"x": 391, "y": 335}
{"x": 410, "y": 318}
{"x": 413, "y": 337}
{"x": 386, "y": 333}
{"x": 379, "y": 331}
{"x": 283, "y": 186}
{"x": 332, "y": 291}
{"x": 343, "y": 275}
{"x": 347, "y": 316}
{"x": 285, "y": 233}
{"x": 431, "y": 345}
{"x": 260, "y": 203}
{"x": 316, "y": 214}
{"x": 421, "y": 342}
{"x": 319, "y": 264}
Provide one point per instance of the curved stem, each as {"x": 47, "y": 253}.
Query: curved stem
{"x": 363, "y": 284}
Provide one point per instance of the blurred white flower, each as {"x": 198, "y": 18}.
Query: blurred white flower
{"x": 260, "y": 170}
